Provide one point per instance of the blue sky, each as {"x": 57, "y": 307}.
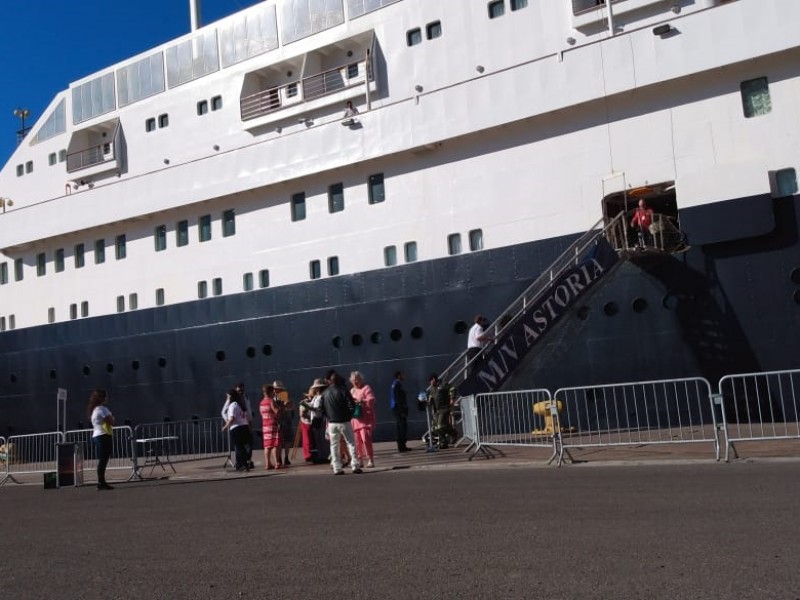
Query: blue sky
{"x": 47, "y": 44}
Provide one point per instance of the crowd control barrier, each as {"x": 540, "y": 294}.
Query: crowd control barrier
{"x": 122, "y": 450}
{"x": 31, "y": 453}
{"x": 521, "y": 418}
{"x": 759, "y": 406}
{"x": 181, "y": 441}
{"x": 647, "y": 412}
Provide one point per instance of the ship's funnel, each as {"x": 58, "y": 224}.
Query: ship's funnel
{"x": 194, "y": 14}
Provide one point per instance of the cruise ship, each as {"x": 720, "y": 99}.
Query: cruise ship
{"x": 311, "y": 184}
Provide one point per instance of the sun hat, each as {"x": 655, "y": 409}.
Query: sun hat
{"x": 318, "y": 383}
{"x": 278, "y": 385}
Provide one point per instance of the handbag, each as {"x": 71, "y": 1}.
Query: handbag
{"x": 357, "y": 411}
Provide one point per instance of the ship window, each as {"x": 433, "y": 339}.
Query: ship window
{"x": 3, "y": 273}
{"x": 216, "y": 103}
{"x": 80, "y": 258}
{"x": 247, "y": 282}
{"x": 202, "y": 289}
{"x": 217, "y": 286}
{"x": 51, "y": 315}
{"x": 336, "y": 198}
{"x": 150, "y": 124}
{"x": 476, "y": 240}
{"x": 454, "y": 244}
{"x": 433, "y": 30}
{"x": 205, "y": 228}
{"x": 496, "y": 9}
{"x": 163, "y": 120}
{"x": 333, "y": 266}
{"x": 73, "y": 311}
{"x": 228, "y": 223}
{"x": 12, "y": 322}
{"x": 62, "y": 155}
{"x": 785, "y": 183}
{"x": 133, "y": 301}
{"x": 120, "y": 304}
{"x": 314, "y": 271}
{"x": 18, "y": 269}
{"x": 756, "y": 100}
{"x": 121, "y": 247}
{"x": 182, "y": 233}
{"x": 390, "y": 256}
{"x": 411, "y": 252}
{"x": 160, "y": 297}
{"x": 263, "y": 278}
{"x": 2, "y": 323}
{"x": 291, "y": 90}
{"x": 414, "y": 36}
{"x": 518, "y": 4}
{"x": 58, "y": 259}
{"x": 298, "y": 206}
{"x": 52, "y": 159}
{"x": 202, "y": 107}
{"x": 41, "y": 264}
{"x": 99, "y": 252}
{"x": 85, "y": 308}
{"x": 29, "y": 166}
{"x": 352, "y": 71}
{"x": 20, "y": 170}
{"x": 160, "y": 237}
{"x": 377, "y": 191}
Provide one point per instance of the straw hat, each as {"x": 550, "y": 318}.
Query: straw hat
{"x": 278, "y": 385}
{"x": 318, "y": 384}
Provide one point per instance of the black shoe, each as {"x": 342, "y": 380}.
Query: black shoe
{"x": 104, "y": 486}
{"x": 338, "y": 472}
{"x": 357, "y": 471}
{"x": 250, "y": 465}
{"x": 286, "y": 463}
{"x": 405, "y": 449}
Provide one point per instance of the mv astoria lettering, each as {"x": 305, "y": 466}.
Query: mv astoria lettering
{"x": 538, "y": 319}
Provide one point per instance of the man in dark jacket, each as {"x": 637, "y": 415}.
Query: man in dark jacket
{"x": 399, "y": 406}
{"x": 441, "y": 398}
{"x": 337, "y": 406}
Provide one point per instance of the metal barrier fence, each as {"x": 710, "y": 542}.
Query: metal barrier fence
{"x": 182, "y": 441}
{"x": 469, "y": 424}
{"x": 759, "y": 406}
{"x": 647, "y": 412}
{"x": 520, "y": 418}
{"x": 122, "y": 452}
{"x": 31, "y": 453}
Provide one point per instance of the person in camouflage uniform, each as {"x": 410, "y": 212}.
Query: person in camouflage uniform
{"x": 441, "y": 398}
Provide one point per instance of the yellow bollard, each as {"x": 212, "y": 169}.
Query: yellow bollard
{"x": 544, "y": 409}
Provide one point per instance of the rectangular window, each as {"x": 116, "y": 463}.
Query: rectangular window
{"x": 133, "y": 301}
{"x": 80, "y": 258}
{"x": 517, "y": 4}
{"x": 150, "y": 124}
{"x": 497, "y": 8}
{"x": 454, "y": 244}
{"x": 62, "y": 155}
{"x": 163, "y": 120}
{"x": 216, "y": 103}
{"x": 204, "y": 228}
{"x": 73, "y": 311}
{"x": 411, "y": 252}
{"x": 85, "y": 308}
{"x": 58, "y": 260}
{"x": 160, "y": 297}
{"x": 121, "y": 247}
{"x": 229, "y": 223}
{"x": 160, "y": 238}
{"x": 99, "y": 252}
{"x": 51, "y": 315}
{"x": 352, "y": 70}
{"x": 12, "y": 321}
{"x": 377, "y": 193}
{"x": 20, "y": 170}
{"x": 414, "y": 36}
{"x": 756, "y": 100}
{"x": 217, "y": 286}
{"x": 202, "y": 289}
{"x": 2, "y": 323}
{"x": 29, "y": 166}
{"x": 182, "y": 233}
{"x": 52, "y": 159}
{"x": 390, "y": 256}
{"x": 202, "y": 107}
{"x": 291, "y": 90}
{"x": 263, "y": 278}
{"x": 120, "y": 304}
{"x": 433, "y": 30}
{"x": 476, "y": 240}
{"x": 336, "y": 198}
{"x": 314, "y": 271}
{"x": 247, "y": 282}
{"x": 41, "y": 264}
{"x": 3, "y": 273}
{"x": 333, "y": 266}
{"x": 18, "y": 269}
{"x": 298, "y": 206}
{"x": 785, "y": 183}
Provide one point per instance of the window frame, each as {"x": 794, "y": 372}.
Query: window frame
{"x": 494, "y": 4}
{"x": 298, "y": 206}
{"x": 99, "y": 251}
{"x": 414, "y": 37}
{"x": 333, "y": 195}
{"x": 204, "y": 228}
{"x": 229, "y": 222}
{"x": 454, "y": 246}
{"x": 433, "y": 27}
{"x": 121, "y": 247}
{"x": 372, "y": 186}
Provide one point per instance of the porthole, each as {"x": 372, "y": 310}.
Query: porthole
{"x": 86, "y": 370}
{"x": 670, "y": 302}
{"x": 135, "y": 365}
{"x": 250, "y": 352}
{"x": 583, "y": 313}
{"x": 639, "y": 305}
{"x": 266, "y": 350}
{"x": 460, "y": 328}
{"x": 610, "y": 309}
{"x": 416, "y": 333}
{"x": 797, "y": 297}
{"x": 13, "y": 378}
{"x": 220, "y": 355}
{"x": 162, "y": 362}
{"x": 110, "y": 368}
{"x": 375, "y": 338}
{"x": 53, "y": 373}
{"x": 796, "y": 275}
{"x": 396, "y": 335}
{"x": 356, "y": 340}
{"x": 337, "y": 342}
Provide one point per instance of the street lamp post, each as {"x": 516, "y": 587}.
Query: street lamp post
{"x": 22, "y": 114}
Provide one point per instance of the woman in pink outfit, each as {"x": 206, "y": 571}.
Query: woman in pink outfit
{"x": 364, "y": 425}
{"x": 270, "y": 413}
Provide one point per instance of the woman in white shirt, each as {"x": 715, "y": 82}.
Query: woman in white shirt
{"x": 237, "y": 422}
{"x": 102, "y": 434}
